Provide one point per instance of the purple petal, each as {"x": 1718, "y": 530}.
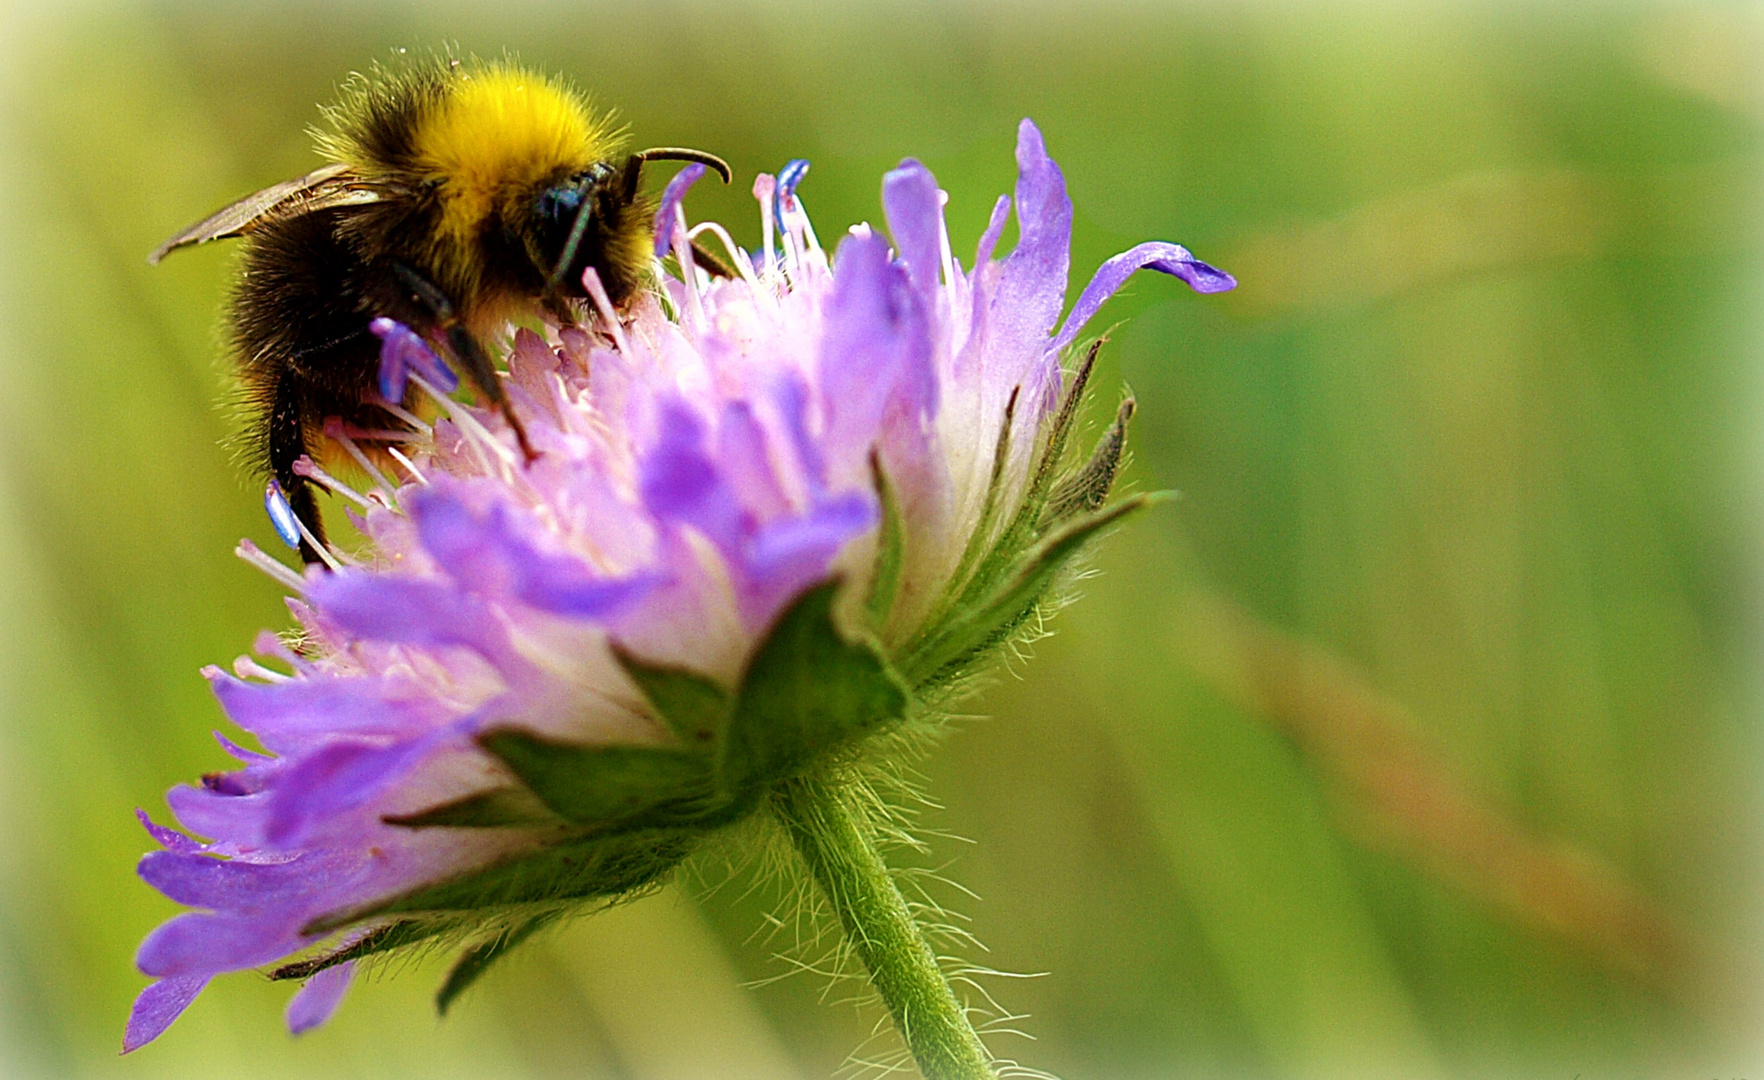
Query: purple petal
{"x": 157, "y": 1006}
{"x": 909, "y": 199}
{"x": 876, "y": 353}
{"x": 665, "y": 217}
{"x": 488, "y": 555}
{"x": 319, "y": 997}
{"x": 743, "y": 453}
{"x": 209, "y": 944}
{"x": 789, "y": 394}
{"x": 249, "y": 757}
{"x": 681, "y": 483}
{"x": 1171, "y": 259}
{"x": 1032, "y": 285}
{"x": 411, "y": 611}
{"x": 337, "y": 779}
{"x": 1201, "y": 277}
{"x": 237, "y": 819}
{"x": 233, "y": 784}
{"x": 1001, "y": 210}
{"x": 292, "y": 716}
{"x": 790, "y": 554}
{"x": 170, "y": 839}
{"x": 233, "y": 885}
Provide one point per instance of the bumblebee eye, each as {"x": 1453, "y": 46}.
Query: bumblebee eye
{"x": 559, "y": 204}
{"x": 561, "y": 201}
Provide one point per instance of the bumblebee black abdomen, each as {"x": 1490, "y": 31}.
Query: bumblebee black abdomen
{"x": 303, "y": 303}
{"x": 300, "y": 319}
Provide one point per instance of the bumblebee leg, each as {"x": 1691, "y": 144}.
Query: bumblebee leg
{"x": 287, "y": 443}
{"x": 713, "y": 264}
{"x": 479, "y": 367}
{"x": 483, "y": 373}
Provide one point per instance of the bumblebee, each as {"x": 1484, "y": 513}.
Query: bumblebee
{"x": 457, "y": 195}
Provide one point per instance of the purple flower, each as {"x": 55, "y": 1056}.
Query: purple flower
{"x": 540, "y": 682}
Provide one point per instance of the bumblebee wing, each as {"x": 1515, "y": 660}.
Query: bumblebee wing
{"x": 332, "y": 185}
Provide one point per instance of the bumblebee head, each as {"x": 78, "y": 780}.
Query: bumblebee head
{"x": 597, "y": 217}
{"x": 582, "y": 220}
{"x": 518, "y": 182}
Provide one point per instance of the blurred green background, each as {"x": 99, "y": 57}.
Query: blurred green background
{"x": 1419, "y": 739}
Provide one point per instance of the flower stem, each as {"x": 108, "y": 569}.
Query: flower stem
{"x": 840, "y": 850}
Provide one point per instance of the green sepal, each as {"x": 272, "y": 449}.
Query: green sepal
{"x": 807, "y": 691}
{"x": 1026, "y": 524}
{"x": 379, "y": 939}
{"x": 599, "y": 866}
{"x": 979, "y": 627}
{"x": 607, "y": 785}
{"x": 499, "y": 808}
{"x": 1087, "y": 489}
{"x": 478, "y": 959}
{"x": 694, "y": 707}
{"x": 976, "y": 546}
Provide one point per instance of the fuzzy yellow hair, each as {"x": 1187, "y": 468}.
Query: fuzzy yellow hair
{"x": 501, "y": 129}
{"x": 480, "y": 132}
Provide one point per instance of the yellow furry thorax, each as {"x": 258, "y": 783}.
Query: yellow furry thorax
{"x": 499, "y": 130}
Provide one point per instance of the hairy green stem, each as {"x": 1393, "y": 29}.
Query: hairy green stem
{"x": 840, "y": 851}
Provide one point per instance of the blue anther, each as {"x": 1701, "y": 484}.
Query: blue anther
{"x": 402, "y": 351}
{"x": 788, "y": 177}
{"x": 281, "y": 515}
{"x": 666, "y": 215}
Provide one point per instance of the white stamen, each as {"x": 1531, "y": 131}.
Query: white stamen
{"x": 415, "y": 473}
{"x": 950, "y": 272}
{"x": 310, "y": 469}
{"x": 688, "y": 269}
{"x": 560, "y": 399}
{"x": 800, "y": 243}
{"x": 792, "y": 261}
{"x": 808, "y": 231}
{"x": 408, "y": 417}
{"x": 269, "y": 564}
{"x": 247, "y": 668}
{"x": 603, "y": 304}
{"x": 323, "y": 550}
{"x": 763, "y": 192}
{"x": 337, "y": 435}
{"x": 387, "y": 435}
{"x": 478, "y": 435}
{"x": 743, "y": 262}
{"x": 664, "y": 296}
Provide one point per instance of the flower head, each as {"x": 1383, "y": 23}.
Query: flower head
{"x": 769, "y": 515}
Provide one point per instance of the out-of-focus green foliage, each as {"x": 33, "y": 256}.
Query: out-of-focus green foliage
{"x": 1418, "y": 739}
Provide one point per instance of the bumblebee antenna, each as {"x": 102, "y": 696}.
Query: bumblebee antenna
{"x": 681, "y": 153}
{"x": 633, "y": 171}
